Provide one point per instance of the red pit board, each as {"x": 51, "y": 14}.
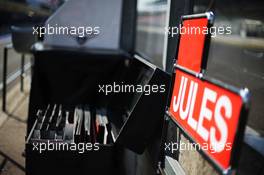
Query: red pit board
{"x": 211, "y": 113}
{"x": 208, "y": 113}
{"x": 192, "y": 43}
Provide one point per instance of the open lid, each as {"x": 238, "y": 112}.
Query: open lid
{"x": 145, "y": 110}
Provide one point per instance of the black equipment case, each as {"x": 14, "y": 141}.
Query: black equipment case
{"x": 71, "y": 77}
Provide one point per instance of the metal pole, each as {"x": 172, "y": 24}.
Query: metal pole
{"x": 32, "y": 66}
{"x": 22, "y": 73}
{"x": 4, "y": 79}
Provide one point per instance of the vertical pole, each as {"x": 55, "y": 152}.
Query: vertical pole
{"x": 4, "y": 79}
{"x": 32, "y": 66}
{"x": 22, "y": 73}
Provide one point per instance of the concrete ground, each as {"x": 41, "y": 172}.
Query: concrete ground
{"x": 13, "y": 130}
